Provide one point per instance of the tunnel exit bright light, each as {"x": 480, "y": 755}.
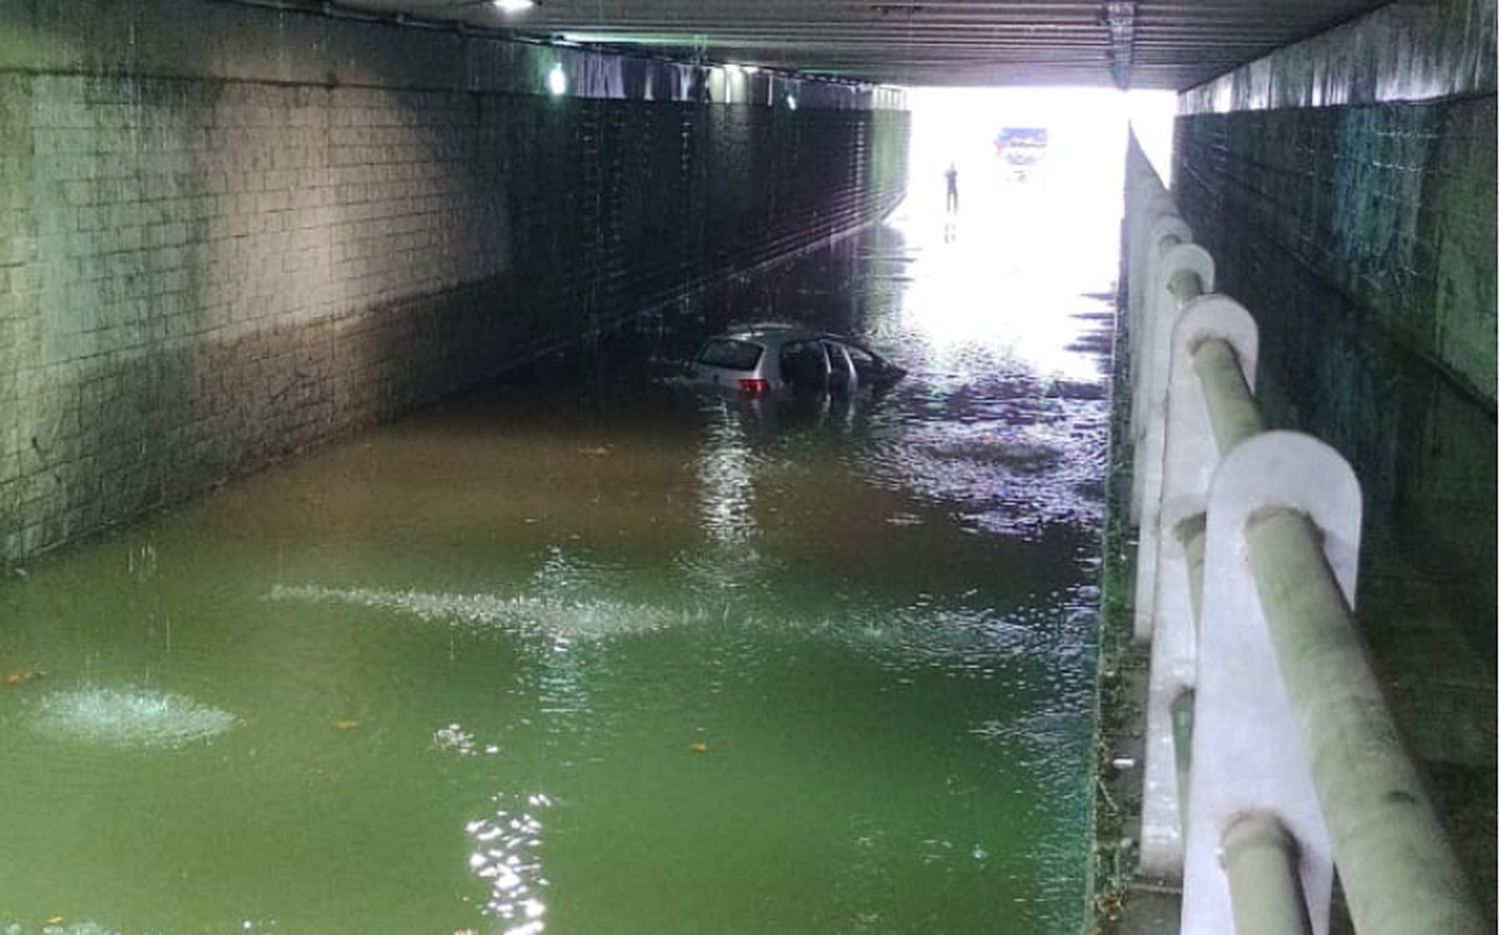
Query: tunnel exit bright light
{"x": 557, "y": 80}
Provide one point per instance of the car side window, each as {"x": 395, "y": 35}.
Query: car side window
{"x": 804, "y": 365}
{"x": 843, "y": 376}
{"x": 864, "y": 364}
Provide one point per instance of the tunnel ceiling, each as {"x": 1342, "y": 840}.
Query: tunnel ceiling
{"x": 1130, "y": 43}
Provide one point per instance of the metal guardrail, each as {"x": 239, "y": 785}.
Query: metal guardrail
{"x": 1271, "y": 754}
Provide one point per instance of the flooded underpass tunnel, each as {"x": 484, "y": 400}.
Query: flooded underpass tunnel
{"x": 589, "y": 648}
{"x": 375, "y": 559}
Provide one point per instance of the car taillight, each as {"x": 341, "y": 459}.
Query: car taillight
{"x": 754, "y": 387}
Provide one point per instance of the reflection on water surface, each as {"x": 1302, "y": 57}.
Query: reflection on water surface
{"x": 583, "y": 653}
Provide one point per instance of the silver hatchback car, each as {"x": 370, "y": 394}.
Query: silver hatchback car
{"x": 776, "y": 358}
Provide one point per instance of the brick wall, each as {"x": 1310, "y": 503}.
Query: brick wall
{"x": 200, "y": 273}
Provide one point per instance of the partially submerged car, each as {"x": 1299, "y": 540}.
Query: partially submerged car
{"x": 776, "y": 358}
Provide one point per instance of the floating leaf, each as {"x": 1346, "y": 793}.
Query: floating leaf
{"x": 22, "y": 676}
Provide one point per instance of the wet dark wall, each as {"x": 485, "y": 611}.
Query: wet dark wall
{"x": 233, "y": 233}
{"x": 1360, "y": 232}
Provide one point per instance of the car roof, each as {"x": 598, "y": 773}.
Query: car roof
{"x": 776, "y": 331}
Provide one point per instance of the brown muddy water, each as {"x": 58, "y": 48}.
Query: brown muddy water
{"x": 586, "y": 652}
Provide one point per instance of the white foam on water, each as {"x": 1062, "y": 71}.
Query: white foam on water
{"x": 571, "y": 620}
{"x": 128, "y": 717}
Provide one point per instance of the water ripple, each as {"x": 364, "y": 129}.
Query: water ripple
{"x": 505, "y": 857}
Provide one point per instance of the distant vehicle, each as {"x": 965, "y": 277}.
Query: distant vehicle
{"x": 1021, "y": 146}
{"x": 766, "y": 359}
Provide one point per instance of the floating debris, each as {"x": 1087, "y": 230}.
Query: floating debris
{"x": 455, "y": 738}
{"x": 23, "y": 676}
{"x": 128, "y": 717}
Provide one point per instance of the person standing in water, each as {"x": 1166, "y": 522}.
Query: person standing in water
{"x": 952, "y": 176}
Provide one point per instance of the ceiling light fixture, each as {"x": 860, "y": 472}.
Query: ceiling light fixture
{"x": 514, "y": 6}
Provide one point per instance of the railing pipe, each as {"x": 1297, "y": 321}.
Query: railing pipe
{"x": 1260, "y": 860}
{"x": 1399, "y": 872}
{"x": 1231, "y": 408}
{"x": 1188, "y": 284}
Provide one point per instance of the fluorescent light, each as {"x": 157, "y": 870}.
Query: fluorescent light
{"x": 557, "y": 80}
{"x": 513, "y": 6}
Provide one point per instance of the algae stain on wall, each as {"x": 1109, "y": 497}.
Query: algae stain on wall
{"x": 1364, "y": 240}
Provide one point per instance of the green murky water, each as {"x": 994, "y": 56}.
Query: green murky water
{"x": 585, "y": 653}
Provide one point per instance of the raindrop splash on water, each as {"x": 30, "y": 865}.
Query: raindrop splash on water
{"x": 128, "y": 717}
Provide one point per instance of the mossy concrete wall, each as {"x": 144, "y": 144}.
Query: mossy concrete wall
{"x": 231, "y": 233}
{"x": 1354, "y": 213}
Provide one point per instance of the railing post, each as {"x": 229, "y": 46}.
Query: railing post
{"x": 1186, "y": 272}
{"x": 1164, "y": 231}
{"x": 1247, "y": 753}
{"x": 1157, "y": 229}
{"x": 1192, "y": 447}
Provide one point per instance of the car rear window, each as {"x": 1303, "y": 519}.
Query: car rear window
{"x": 730, "y": 354}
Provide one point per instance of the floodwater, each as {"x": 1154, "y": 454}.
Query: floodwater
{"x": 588, "y": 653}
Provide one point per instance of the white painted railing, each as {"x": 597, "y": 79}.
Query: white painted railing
{"x": 1271, "y": 755}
